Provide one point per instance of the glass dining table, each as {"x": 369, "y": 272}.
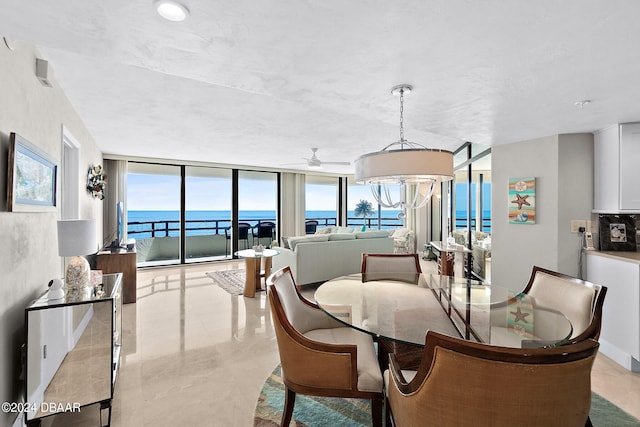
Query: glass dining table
{"x": 401, "y": 308}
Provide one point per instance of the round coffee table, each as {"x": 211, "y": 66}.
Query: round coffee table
{"x": 255, "y": 272}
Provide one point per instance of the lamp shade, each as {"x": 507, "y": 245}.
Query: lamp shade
{"x": 77, "y": 237}
{"x": 407, "y": 165}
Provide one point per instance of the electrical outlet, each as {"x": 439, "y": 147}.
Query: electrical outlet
{"x": 576, "y": 224}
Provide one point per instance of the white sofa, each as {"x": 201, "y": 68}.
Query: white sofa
{"x": 317, "y": 258}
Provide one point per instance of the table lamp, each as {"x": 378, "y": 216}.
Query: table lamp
{"x": 77, "y": 237}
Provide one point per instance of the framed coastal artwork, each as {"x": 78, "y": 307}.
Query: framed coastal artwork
{"x": 31, "y": 181}
{"x": 522, "y": 201}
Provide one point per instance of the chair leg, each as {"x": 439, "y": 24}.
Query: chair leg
{"x": 387, "y": 413}
{"x": 376, "y": 412}
{"x": 287, "y": 412}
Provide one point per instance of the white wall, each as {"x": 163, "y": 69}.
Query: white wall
{"x": 575, "y": 196}
{"x": 28, "y": 253}
{"x": 563, "y": 168}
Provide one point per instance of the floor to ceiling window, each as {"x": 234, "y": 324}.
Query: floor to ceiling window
{"x": 257, "y": 207}
{"x": 207, "y": 213}
{"x": 379, "y": 217}
{"x": 153, "y": 212}
{"x": 321, "y": 202}
{"x": 183, "y": 214}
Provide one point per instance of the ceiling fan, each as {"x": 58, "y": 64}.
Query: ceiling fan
{"x": 315, "y": 163}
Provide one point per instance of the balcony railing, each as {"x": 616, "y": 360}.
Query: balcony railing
{"x": 462, "y": 223}
{"x": 159, "y": 240}
{"x": 196, "y": 227}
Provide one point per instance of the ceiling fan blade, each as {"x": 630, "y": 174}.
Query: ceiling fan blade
{"x": 294, "y": 164}
{"x": 336, "y": 163}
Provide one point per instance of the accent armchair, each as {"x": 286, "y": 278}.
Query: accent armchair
{"x": 318, "y": 355}
{"x": 462, "y": 383}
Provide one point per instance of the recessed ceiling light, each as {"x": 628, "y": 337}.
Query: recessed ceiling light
{"x": 172, "y": 10}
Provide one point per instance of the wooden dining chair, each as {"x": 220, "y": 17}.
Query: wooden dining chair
{"x": 401, "y": 267}
{"x": 580, "y": 301}
{"x": 319, "y": 356}
{"x": 463, "y": 383}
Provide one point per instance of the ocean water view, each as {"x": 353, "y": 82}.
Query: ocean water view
{"x": 199, "y": 222}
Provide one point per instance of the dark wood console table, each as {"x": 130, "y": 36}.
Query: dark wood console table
{"x": 121, "y": 261}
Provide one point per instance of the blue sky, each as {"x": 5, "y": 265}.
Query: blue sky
{"x": 162, "y": 192}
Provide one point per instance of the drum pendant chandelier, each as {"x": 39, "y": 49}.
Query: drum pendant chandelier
{"x": 404, "y": 163}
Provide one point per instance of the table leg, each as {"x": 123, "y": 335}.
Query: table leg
{"x": 267, "y": 268}
{"x": 252, "y": 281}
{"x": 408, "y": 356}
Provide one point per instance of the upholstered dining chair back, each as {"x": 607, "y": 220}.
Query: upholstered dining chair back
{"x": 463, "y": 383}
{"x": 320, "y": 356}
{"x": 580, "y": 301}
{"x": 302, "y": 316}
{"x": 403, "y": 267}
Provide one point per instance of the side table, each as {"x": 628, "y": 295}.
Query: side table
{"x": 121, "y": 261}
{"x": 253, "y": 261}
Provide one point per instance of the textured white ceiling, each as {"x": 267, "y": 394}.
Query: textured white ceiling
{"x": 260, "y": 82}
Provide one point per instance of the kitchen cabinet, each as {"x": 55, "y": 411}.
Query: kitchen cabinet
{"x": 617, "y": 169}
{"x": 620, "y": 335}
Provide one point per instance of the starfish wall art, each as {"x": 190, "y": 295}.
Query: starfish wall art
{"x": 522, "y": 201}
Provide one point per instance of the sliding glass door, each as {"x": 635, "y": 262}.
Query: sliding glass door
{"x": 207, "y": 213}
{"x": 153, "y": 212}
{"x": 379, "y": 217}
{"x": 257, "y": 208}
{"x": 321, "y": 202}
{"x": 183, "y": 214}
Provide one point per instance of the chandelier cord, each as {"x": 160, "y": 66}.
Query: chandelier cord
{"x": 402, "y": 118}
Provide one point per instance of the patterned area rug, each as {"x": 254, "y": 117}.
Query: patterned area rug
{"x": 314, "y": 411}
{"x": 231, "y": 281}
{"x": 308, "y": 411}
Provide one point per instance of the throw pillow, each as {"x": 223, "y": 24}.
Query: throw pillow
{"x": 326, "y": 230}
{"x": 400, "y": 233}
{"x": 345, "y": 230}
{"x": 285, "y": 243}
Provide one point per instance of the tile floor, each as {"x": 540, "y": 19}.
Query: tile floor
{"x": 195, "y": 355}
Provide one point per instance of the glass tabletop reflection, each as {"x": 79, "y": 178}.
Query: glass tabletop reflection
{"x": 403, "y": 307}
